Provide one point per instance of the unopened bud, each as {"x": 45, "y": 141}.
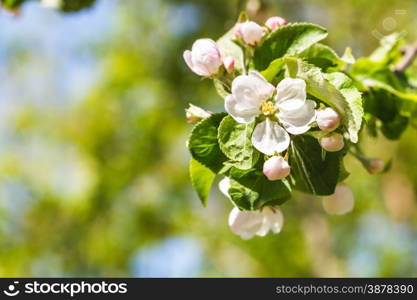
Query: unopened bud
{"x": 229, "y": 64}
{"x": 276, "y": 168}
{"x": 276, "y": 22}
{"x": 237, "y": 30}
{"x": 375, "y": 166}
{"x": 195, "y": 113}
{"x": 327, "y": 119}
{"x": 341, "y": 202}
{"x": 332, "y": 142}
{"x": 204, "y": 58}
{"x": 250, "y": 32}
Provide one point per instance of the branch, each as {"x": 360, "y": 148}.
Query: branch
{"x": 410, "y": 53}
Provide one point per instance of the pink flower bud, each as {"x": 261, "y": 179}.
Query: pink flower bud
{"x": 375, "y": 166}
{"x": 327, "y": 119}
{"x": 276, "y": 22}
{"x": 341, "y": 202}
{"x": 250, "y": 32}
{"x": 204, "y": 59}
{"x": 237, "y": 30}
{"x": 195, "y": 114}
{"x": 229, "y": 64}
{"x": 276, "y": 168}
{"x": 332, "y": 142}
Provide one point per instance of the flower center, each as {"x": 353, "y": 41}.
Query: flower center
{"x": 268, "y": 108}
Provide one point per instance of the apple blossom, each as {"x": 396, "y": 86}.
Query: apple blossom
{"x": 327, "y": 119}
{"x": 195, "y": 113}
{"x": 229, "y": 64}
{"x": 250, "y": 32}
{"x": 252, "y": 96}
{"x": 247, "y": 224}
{"x": 204, "y": 58}
{"x": 276, "y": 22}
{"x": 341, "y": 202}
{"x": 332, "y": 142}
{"x": 276, "y": 168}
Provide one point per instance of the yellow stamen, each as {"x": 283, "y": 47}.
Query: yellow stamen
{"x": 268, "y": 108}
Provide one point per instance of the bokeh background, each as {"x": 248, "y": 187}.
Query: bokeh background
{"x": 93, "y": 164}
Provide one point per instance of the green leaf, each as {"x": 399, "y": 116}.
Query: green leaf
{"x": 354, "y": 108}
{"x": 309, "y": 172}
{"x": 321, "y": 56}
{"x": 235, "y": 142}
{"x": 222, "y": 89}
{"x": 288, "y": 40}
{"x": 374, "y": 83}
{"x": 348, "y": 57}
{"x": 251, "y": 190}
{"x": 274, "y": 69}
{"x": 388, "y": 52}
{"x": 343, "y": 173}
{"x": 341, "y": 94}
{"x": 11, "y": 4}
{"x": 201, "y": 178}
{"x": 203, "y": 143}
{"x": 387, "y": 108}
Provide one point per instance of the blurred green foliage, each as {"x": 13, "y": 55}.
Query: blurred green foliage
{"x": 84, "y": 187}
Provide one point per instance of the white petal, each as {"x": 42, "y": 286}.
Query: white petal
{"x": 291, "y": 94}
{"x": 263, "y": 88}
{"x": 268, "y": 137}
{"x": 275, "y": 219}
{"x": 245, "y": 223}
{"x": 239, "y": 111}
{"x": 188, "y": 57}
{"x": 245, "y": 89}
{"x": 224, "y": 186}
{"x": 272, "y": 220}
{"x": 297, "y": 121}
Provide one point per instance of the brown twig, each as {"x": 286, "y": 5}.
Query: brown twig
{"x": 410, "y": 53}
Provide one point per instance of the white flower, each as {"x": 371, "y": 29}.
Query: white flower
{"x": 250, "y": 32}
{"x": 276, "y": 168}
{"x": 333, "y": 142}
{"x": 247, "y": 224}
{"x": 341, "y": 202}
{"x": 276, "y": 22}
{"x": 252, "y": 96}
{"x": 327, "y": 119}
{"x": 204, "y": 58}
